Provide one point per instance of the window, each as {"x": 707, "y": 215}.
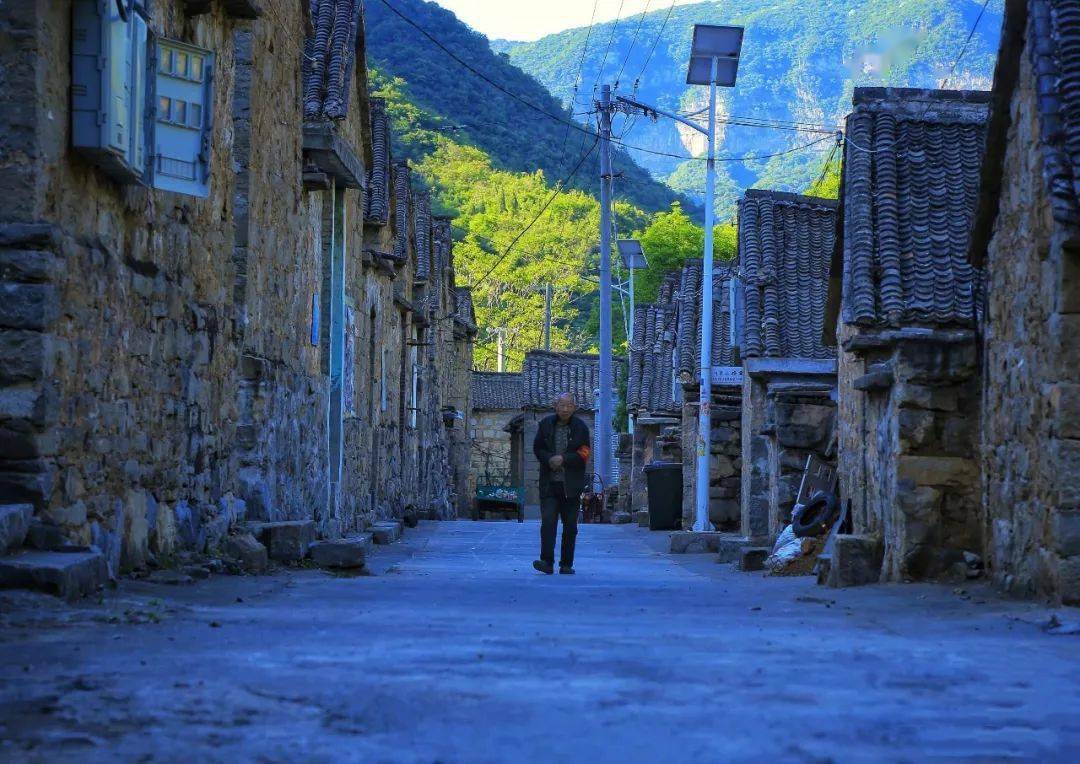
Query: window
{"x": 118, "y": 67}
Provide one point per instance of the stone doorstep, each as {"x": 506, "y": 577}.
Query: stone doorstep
{"x": 641, "y": 517}
{"x": 66, "y": 574}
{"x": 350, "y": 552}
{"x": 855, "y": 561}
{"x": 695, "y": 542}
{"x": 386, "y": 532}
{"x": 15, "y": 522}
{"x": 621, "y": 518}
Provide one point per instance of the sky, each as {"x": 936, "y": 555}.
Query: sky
{"x": 532, "y": 19}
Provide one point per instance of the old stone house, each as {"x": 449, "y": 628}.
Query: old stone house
{"x": 789, "y": 382}
{"x": 495, "y": 428}
{"x": 204, "y": 318}
{"x": 1026, "y": 235}
{"x": 907, "y": 300}
{"x": 545, "y": 376}
{"x": 663, "y": 392}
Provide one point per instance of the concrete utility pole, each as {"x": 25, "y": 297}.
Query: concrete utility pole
{"x": 547, "y": 316}
{"x": 499, "y": 333}
{"x": 603, "y": 424}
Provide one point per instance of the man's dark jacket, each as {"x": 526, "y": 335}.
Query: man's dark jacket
{"x": 573, "y": 462}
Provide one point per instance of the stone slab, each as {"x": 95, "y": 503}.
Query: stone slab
{"x": 621, "y": 518}
{"x": 350, "y": 552}
{"x": 249, "y": 555}
{"x": 694, "y": 542}
{"x": 386, "y": 532}
{"x": 285, "y": 541}
{"x": 641, "y": 517}
{"x": 855, "y": 561}
{"x": 729, "y": 547}
{"x": 66, "y": 574}
{"x": 15, "y": 522}
{"x": 752, "y": 558}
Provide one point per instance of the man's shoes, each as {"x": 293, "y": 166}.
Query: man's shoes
{"x": 566, "y": 570}
{"x": 544, "y": 566}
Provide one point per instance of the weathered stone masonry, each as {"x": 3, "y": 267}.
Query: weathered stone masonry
{"x": 908, "y": 387}
{"x": 161, "y": 375}
{"x": 1027, "y": 236}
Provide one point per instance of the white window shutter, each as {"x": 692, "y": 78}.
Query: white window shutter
{"x": 182, "y": 122}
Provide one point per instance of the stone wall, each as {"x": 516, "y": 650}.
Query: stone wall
{"x": 1030, "y": 449}
{"x": 159, "y": 379}
{"x": 726, "y": 457}
{"x": 491, "y": 444}
{"x": 788, "y": 414}
{"x": 907, "y": 445}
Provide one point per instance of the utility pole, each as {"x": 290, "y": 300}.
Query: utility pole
{"x": 500, "y": 334}
{"x": 603, "y": 425}
{"x": 547, "y": 316}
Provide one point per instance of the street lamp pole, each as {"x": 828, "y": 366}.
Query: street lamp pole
{"x": 701, "y": 495}
{"x": 714, "y": 60}
{"x": 603, "y": 407}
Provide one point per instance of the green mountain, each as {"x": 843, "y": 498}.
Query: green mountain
{"x": 457, "y": 102}
{"x": 800, "y": 62}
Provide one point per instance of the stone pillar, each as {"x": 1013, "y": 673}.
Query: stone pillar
{"x": 755, "y": 497}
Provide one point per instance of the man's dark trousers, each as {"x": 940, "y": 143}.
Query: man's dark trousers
{"x": 552, "y": 508}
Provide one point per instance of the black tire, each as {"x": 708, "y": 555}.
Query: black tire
{"x": 817, "y": 517}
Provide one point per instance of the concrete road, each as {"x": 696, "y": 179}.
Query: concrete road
{"x": 457, "y": 651}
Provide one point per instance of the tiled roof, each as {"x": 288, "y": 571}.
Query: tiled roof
{"x": 1055, "y": 30}
{"x": 422, "y": 224}
{"x": 464, "y": 313}
{"x": 688, "y": 357}
{"x": 667, "y": 338}
{"x": 650, "y": 386}
{"x": 548, "y": 374}
{"x": 785, "y": 245}
{"x": 496, "y": 391}
{"x": 329, "y": 56}
{"x": 403, "y": 210}
{"x": 442, "y": 253}
{"x": 378, "y": 193}
{"x": 911, "y": 178}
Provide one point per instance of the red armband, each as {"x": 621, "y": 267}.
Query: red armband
{"x": 583, "y": 452}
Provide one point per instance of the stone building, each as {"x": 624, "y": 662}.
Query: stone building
{"x": 1027, "y": 237}
{"x": 663, "y": 392}
{"x": 219, "y": 305}
{"x": 545, "y": 376}
{"x": 789, "y": 382}
{"x": 907, "y": 302}
{"x": 494, "y": 422}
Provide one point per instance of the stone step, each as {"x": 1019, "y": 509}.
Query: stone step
{"x": 855, "y": 561}
{"x": 621, "y": 518}
{"x": 350, "y": 552}
{"x": 694, "y": 542}
{"x": 66, "y": 574}
{"x": 15, "y": 522}
{"x": 641, "y": 517}
{"x": 752, "y": 558}
{"x": 386, "y": 531}
{"x": 729, "y": 547}
{"x": 285, "y": 541}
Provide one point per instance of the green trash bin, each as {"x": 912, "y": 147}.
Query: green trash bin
{"x": 664, "y": 483}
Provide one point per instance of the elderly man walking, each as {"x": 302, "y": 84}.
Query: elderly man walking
{"x": 562, "y": 448}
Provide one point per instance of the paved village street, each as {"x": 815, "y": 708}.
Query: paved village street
{"x": 456, "y": 650}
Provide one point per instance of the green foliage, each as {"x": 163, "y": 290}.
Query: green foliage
{"x": 462, "y": 105}
{"x": 671, "y": 239}
{"x": 827, "y": 185}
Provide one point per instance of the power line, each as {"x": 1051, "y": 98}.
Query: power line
{"x": 523, "y": 231}
{"x": 607, "y": 50}
{"x": 656, "y": 42}
{"x": 963, "y": 50}
{"x": 633, "y": 42}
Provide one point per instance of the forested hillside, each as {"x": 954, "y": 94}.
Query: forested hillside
{"x": 800, "y": 62}
{"x": 458, "y": 102}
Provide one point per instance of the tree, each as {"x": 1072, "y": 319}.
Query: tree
{"x": 671, "y": 239}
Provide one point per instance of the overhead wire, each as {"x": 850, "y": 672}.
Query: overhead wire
{"x": 607, "y": 50}
{"x": 633, "y": 42}
{"x": 577, "y": 77}
{"x": 652, "y": 50}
